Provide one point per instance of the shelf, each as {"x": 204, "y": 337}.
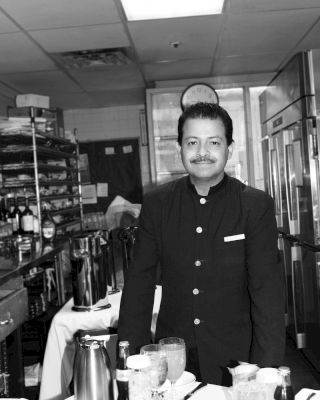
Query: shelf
{"x": 65, "y": 211}
{"x": 57, "y": 196}
{"x": 69, "y": 223}
{"x": 41, "y": 166}
{"x": 41, "y": 150}
{"x": 31, "y": 182}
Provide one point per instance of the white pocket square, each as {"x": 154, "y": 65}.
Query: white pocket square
{"x": 232, "y": 238}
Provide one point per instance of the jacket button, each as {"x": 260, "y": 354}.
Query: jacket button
{"x": 198, "y": 229}
{"x": 196, "y": 321}
{"x": 197, "y": 263}
{"x": 203, "y": 200}
{"x": 195, "y": 291}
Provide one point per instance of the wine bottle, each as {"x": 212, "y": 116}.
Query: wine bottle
{"x": 48, "y": 226}
{"x": 122, "y": 372}
{"x": 284, "y": 390}
{"x": 14, "y": 213}
{"x": 3, "y": 210}
{"x": 27, "y": 219}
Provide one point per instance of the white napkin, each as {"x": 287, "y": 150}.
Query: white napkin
{"x": 304, "y": 393}
{"x": 213, "y": 392}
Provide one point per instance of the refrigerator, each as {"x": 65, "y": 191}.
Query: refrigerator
{"x": 290, "y": 118}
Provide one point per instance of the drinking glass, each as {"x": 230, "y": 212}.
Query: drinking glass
{"x": 175, "y": 349}
{"x": 158, "y": 368}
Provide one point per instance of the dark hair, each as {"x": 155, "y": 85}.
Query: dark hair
{"x": 206, "y": 111}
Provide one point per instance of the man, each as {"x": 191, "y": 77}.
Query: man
{"x": 216, "y": 241}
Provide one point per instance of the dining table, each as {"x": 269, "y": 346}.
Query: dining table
{"x": 57, "y": 368}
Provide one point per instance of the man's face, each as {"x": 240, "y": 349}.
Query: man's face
{"x": 204, "y": 150}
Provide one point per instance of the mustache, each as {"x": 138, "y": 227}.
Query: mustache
{"x": 199, "y": 159}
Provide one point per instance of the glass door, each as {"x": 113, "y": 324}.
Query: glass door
{"x": 163, "y": 112}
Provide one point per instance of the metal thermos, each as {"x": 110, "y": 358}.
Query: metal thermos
{"x": 86, "y": 265}
{"x": 92, "y": 374}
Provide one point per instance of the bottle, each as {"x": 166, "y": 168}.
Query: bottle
{"x": 284, "y": 389}
{"x": 27, "y": 219}
{"x": 14, "y": 213}
{"x": 3, "y": 209}
{"x": 122, "y": 372}
{"x": 48, "y": 226}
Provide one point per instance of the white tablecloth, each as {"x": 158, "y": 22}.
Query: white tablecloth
{"x": 60, "y": 348}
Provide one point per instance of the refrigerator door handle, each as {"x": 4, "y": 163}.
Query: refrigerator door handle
{"x": 314, "y": 151}
{"x": 281, "y": 246}
{"x": 292, "y": 191}
{"x": 275, "y": 179}
{"x": 298, "y": 295}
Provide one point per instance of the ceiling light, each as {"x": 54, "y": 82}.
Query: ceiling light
{"x": 153, "y": 9}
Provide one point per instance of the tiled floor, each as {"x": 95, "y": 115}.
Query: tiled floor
{"x": 303, "y": 375}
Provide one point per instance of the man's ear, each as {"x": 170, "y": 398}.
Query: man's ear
{"x": 230, "y": 150}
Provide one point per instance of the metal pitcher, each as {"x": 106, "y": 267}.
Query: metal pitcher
{"x": 92, "y": 372}
{"x": 86, "y": 265}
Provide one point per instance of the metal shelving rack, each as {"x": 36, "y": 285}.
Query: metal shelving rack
{"x": 28, "y": 142}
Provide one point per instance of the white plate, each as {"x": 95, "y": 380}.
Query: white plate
{"x": 185, "y": 379}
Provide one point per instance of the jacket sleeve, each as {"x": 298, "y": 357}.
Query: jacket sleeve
{"x": 265, "y": 284}
{"x": 138, "y": 293}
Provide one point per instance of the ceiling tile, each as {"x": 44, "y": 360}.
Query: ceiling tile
{"x": 311, "y": 40}
{"x": 43, "y": 82}
{"x": 82, "y": 38}
{"x": 265, "y": 32}
{"x": 20, "y": 54}
{"x": 71, "y": 100}
{"x": 198, "y": 37}
{"x": 6, "y": 25}
{"x": 264, "y": 5}
{"x": 118, "y": 97}
{"x": 40, "y": 14}
{"x": 180, "y": 69}
{"x": 247, "y": 64}
{"x": 109, "y": 78}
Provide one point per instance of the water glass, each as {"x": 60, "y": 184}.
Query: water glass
{"x": 158, "y": 369}
{"x": 175, "y": 349}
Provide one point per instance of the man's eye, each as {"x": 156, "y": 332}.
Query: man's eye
{"x": 191, "y": 142}
{"x": 215, "y": 143}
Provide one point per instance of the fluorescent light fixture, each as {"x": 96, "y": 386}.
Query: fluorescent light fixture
{"x": 157, "y": 9}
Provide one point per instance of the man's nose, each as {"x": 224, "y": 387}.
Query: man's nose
{"x": 203, "y": 149}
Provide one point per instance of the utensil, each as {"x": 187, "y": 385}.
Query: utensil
{"x": 310, "y": 396}
{"x": 193, "y": 391}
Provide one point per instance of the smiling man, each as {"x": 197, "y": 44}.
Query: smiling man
{"x": 215, "y": 240}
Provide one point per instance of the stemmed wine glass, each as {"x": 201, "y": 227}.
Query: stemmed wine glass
{"x": 158, "y": 368}
{"x": 175, "y": 349}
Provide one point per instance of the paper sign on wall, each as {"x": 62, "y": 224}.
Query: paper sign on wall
{"x": 89, "y": 194}
{"x": 102, "y": 189}
{"x": 109, "y": 151}
{"x": 127, "y": 149}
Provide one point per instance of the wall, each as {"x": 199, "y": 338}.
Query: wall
{"x": 110, "y": 123}
{"x": 4, "y": 103}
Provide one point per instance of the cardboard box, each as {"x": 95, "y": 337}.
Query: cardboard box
{"x": 32, "y": 100}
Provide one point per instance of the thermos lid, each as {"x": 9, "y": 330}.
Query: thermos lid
{"x": 90, "y": 343}
{"x": 138, "y": 361}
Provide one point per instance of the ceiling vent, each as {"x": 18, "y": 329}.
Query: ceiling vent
{"x": 93, "y": 58}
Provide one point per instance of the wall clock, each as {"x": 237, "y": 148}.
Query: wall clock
{"x": 198, "y": 92}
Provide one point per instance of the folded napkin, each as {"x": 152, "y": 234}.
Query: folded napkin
{"x": 304, "y": 394}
